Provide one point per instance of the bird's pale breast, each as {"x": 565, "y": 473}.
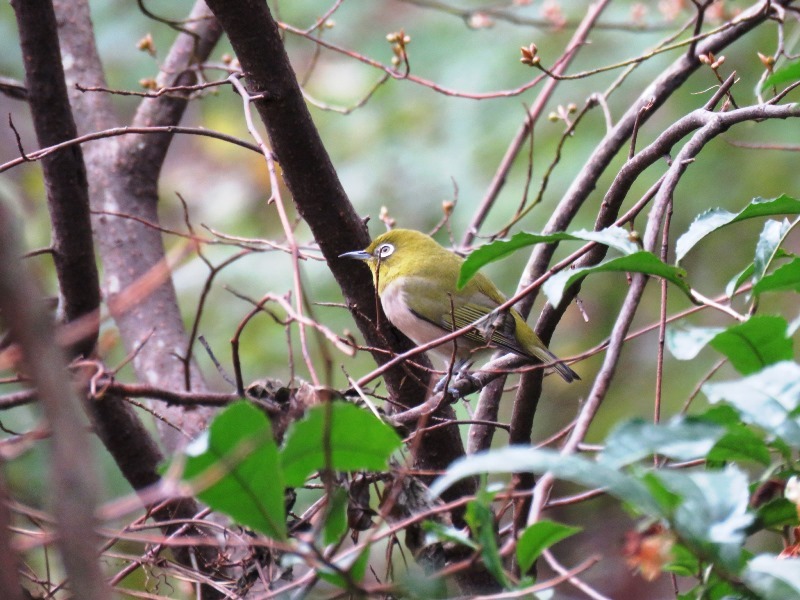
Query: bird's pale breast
{"x": 420, "y": 331}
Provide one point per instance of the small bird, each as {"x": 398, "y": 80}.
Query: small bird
{"x": 416, "y": 282}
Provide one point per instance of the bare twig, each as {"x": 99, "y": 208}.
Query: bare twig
{"x": 118, "y": 131}
{"x": 534, "y": 113}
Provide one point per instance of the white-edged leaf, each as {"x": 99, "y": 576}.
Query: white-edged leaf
{"x": 785, "y": 278}
{"x": 638, "y": 262}
{"x": 768, "y": 244}
{"x": 679, "y": 439}
{"x": 716, "y": 218}
{"x": 685, "y": 343}
{"x": 769, "y": 398}
{"x": 577, "y": 469}
{"x": 774, "y": 578}
{"x": 614, "y": 237}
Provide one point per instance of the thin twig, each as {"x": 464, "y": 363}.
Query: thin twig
{"x": 284, "y": 219}
{"x": 117, "y": 131}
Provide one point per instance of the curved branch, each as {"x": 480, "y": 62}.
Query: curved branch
{"x": 118, "y": 131}
{"x": 323, "y": 204}
{"x": 13, "y": 88}
{"x": 124, "y": 179}
{"x": 655, "y": 95}
{"x": 713, "y": 124}
{"x": 480, "y": 437}
{"x": 534, "y": 113}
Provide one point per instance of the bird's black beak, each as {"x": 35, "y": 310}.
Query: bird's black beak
{"x": 357, "y": 254}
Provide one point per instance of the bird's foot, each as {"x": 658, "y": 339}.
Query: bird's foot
{"x": 451, "y": 391}
{"x": 451, "y": 379}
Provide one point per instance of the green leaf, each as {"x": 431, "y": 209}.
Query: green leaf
{"x": 614, "y": 237}
{"x": 721, "y": 414}
{"x": 750, "y": 346}
{"x": 738, "y": 444}
{"x": 639, "y": 262}
{"x": 788, "y": 73}
{"x": 359, "y": 568}
{"x": 684, "y": 562}
{"x": 480, "y": 518}
{"x": 356, "y": 440}
{"x": 720, "y": 589}
{"x": 438, "y": 532}
{"x": 738, "y": 280}
{"x": 773, "y": 578}
{"x": 768, "y": 246}
{"x": 236, "y": 464}
{"x": 499, "y": 249}
{"x": 538, "y": 538}
{"x": 783, "y": 449}
{"x": 577, "y": 469}
{"x": 769, "y": 399}
{"x": 685, "y": 343}
{"x": 785, "y": 278}
{"x": 716, "y": 218}
{"x": 667, "y": 500}
{"x": 335, "y": 516}
{"x": 714, "y": 509}
{"x": 758, "y": 342}
{"x": 679, "y": 439}
{"x": 707, "y": 508}
{"x": 779, "y": 512}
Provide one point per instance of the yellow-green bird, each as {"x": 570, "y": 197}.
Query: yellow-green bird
{"x": 416, "y": 281}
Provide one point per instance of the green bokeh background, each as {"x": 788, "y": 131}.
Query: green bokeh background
{"x": 409, "y": 149}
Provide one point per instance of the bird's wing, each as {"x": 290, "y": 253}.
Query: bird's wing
{"x": 466, "y": 307}
{"x": 496, "y": 331}
{"x": 499, "y": 331}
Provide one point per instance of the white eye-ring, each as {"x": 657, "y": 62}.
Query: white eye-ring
{"x": 384, "y": 250}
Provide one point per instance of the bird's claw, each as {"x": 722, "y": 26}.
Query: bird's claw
{"x": 451, "y": 391}
{"x": 452, "y": 379}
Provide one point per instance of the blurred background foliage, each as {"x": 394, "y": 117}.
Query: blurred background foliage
{"x": 409, "y": 149}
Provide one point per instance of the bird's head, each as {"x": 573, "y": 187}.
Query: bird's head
{"x": 401, "y": 253}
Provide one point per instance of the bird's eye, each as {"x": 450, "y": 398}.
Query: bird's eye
{"x": 384, "y": 250}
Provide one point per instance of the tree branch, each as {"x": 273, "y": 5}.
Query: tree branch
{"x": 318, "y": 194}
{"x": 652, "y": 97}
{"x": 13, "y": 88}
{"x": 74, "y": 486}
{"x": 323, "y": 204}
{"x": 480, "y": 436}
{"x": 656, "y": 94}
{"x": 9, "y": 558}
{"x": 124, "y": 179}
{"x": 123, "y": 175}
{"x": 65, "y": 172}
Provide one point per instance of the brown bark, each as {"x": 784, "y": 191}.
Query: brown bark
{"x": 74, "y": 491}
{"x": 64, "y": 172}
{"x": 322, "y": 202}
{"x": 320, "y": 199}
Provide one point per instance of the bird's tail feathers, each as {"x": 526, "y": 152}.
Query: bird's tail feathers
{"x": 566, "y": 373}
{"x": 551, "y": 360}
